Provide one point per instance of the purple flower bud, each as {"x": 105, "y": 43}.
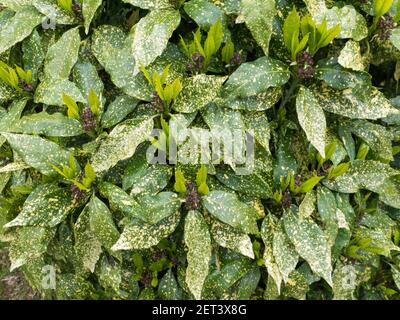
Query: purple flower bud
{"x": 156, "y": 104}
{"x": 88, "y": 120}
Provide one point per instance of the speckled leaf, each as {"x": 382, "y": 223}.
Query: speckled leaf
{"x": 338, "y": 77}
{"x": 310, "y": 243}
{"x": 118, "y": 199}
{"x": 307, "y": 206}
{"x": 197, "y": 92}
{"x": 87, "y": 246}
{"x": 47, "y": 206}
{"x": 259, "y": 102}
{"x": 15, "y": 5}
{"x": 118, "y": 110}
{"x": 86, "y": 78}
{"x": 112, "y": 49}
{"x": 344, "y": 281}
{"x": 395, "y": 38}
{"x": 255, "y": 77}
{"x": 53, "y": 125}
{"x": 155, "y": 208}
{"x": 227, "y": 208}
{"x": 312, "y": 119}
{"x": 62, "y": 56}
{"x": 19, "y": 27}
{"x": 50, "y": 8}
{"x": 198, "y": 242}
{"x": 30, "y": 243}
{"x": 296, "y": 286}
{"x": 257, "y": 183}
{"x": 268, "y": 228}
{"x": 121, "y": 143}
{"x": 259, "y": 15}
{"x": 38, "y": 152}
{"x": 89, "y": 9}
{"x": 13, "y": 115}
{"x": 396, "y": 276}
{"x": 206, "y": 14}
{"x": 168, "y": 288}
{"x": 228, "y": 237}
{"x": 151, "y": 35}
{"x": 101, "y": 223}
{"x": 34, "y": 53}
{"x": 363, "y": 174}
{"x": 284, "y": 252}
{"x": 390, "y": 191}
{"x": 150, "y": 4}
{"x": 363, "y": 103}
{"x": 352, "y": 23}
{"x": 110, "y": 274}
{"x": 350, "y": 57}
{"x": 328, "y": 213}
{"x": 51, "y": 91}
{"x": 139, "y": 235}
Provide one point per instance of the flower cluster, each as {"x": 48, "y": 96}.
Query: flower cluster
{"x": 192, "y": 197}
{"x": 386, "y": 24}
{"x": 88, "y": 120}
{"x": 197, "y": 63}
{"x": 306, "y": 65}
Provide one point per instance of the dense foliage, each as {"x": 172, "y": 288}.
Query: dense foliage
{"x": 313, "y": 214}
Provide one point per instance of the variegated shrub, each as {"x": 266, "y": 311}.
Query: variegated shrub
{"x": 92, "y": 90}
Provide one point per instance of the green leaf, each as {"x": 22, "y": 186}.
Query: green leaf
{"x": 168, "y": 288}
{"x": 286, "y": 257}
{"x": 89, "y": 9}
{"x": 258, "y": 16}
{"x": 155, "y": 208}
{"x": 205, "y": 14}
{"x": 180, "y": 182}
{"x": 87, "y": 245}
{"x": 38, "y": 152}
{"x": 198, "y": 91}
{"x": 86, "y": 78}
{"x": 144, "y": 178}
{"x": 312, "y": 119}
{"x": 350, "y": 57}
{"x": 30, "y": 243}
{"x": 117, "y": 110}
{"x": 47, "y": 206}
{"x": 198, "y": 242}
{"x": 51, "y": 92}
{"x": 19, "y": 27}
{"x": 360, "y": 103}
{"x": 52, "y": 125}
{"x": 228, "y": 237}
{"x": 62, "y": 56}
{"x": 121, "y": 143}
{"x": 151, "y": 35}
{"x": 101, "y": 223}
{"x": 310, "y": 243}
{"x": 139, "y": 235}
{"x": 255, "y": 77}
{"x": 339, "y": 78}
{"x": 363, "y": 174}
{"x": 150, "y": 4}
{"x": 119, "y": 200}
{"x": 227, "y": 208}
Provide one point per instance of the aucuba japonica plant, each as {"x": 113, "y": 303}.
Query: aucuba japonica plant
{"x": 200, "y": 149}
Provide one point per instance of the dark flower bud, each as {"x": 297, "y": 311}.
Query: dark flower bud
{"x": 297, "y": 180}
{"x": 146, "y": 280}
{"x": 77, "y": 8}
{"x": 306, "y": 64}
{"x": 386, "y": 24}
{"x": 286, "y": 200}
{"x": 88, "y": 120}
{"x": 237, "y": 59}
{"x": 192, "y": 197}
{"x": 156, "y": 104}
{"x": 78, "y": 195}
